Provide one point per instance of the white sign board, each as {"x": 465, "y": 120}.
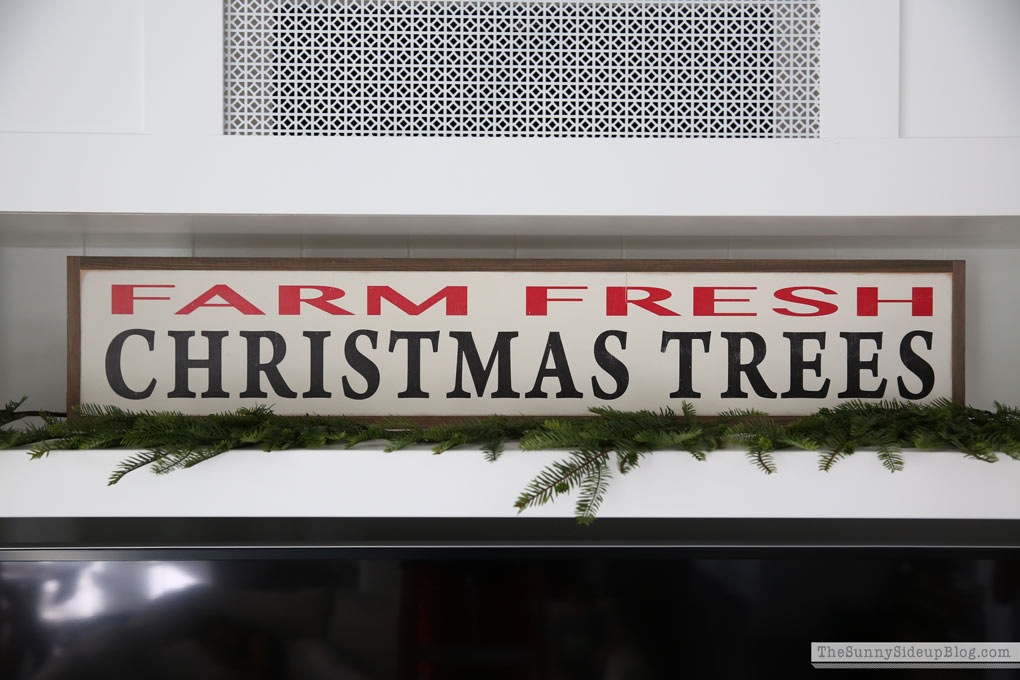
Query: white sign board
{"x": 480, "y": 337}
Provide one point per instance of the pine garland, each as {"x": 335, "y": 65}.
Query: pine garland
{"x": 610, "y": 441}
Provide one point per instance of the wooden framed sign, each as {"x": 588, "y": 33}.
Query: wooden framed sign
{"x": 443, "y": 338}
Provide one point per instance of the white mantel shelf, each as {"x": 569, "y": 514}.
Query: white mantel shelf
{"x": 367, "y": 482}
{"x": 217, "y": 174}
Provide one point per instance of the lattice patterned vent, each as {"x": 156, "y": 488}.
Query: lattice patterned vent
{"x": 572, "y": 68}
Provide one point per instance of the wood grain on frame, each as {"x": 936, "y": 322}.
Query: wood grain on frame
{"x": 558, "y": 265}
{"x": 74, "y": 272}
{"x": 77, "y": 265}
{"x": 959, "y": 330}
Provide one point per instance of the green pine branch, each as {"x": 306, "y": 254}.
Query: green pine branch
{"x": 170, "y": 441}
{"x": 580, "y": 468}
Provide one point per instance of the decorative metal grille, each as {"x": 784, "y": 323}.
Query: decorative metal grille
{"x": 571, "y": 68}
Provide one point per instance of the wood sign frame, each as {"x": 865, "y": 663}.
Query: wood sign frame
{"x": 78, "y": 267}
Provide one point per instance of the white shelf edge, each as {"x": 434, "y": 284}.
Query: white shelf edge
{"x": 366, "y": 482}
{"x": 454, "y": 176}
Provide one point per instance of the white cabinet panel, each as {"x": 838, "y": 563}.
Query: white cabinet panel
{"x": 961, "y": 68}
{"x": 71, "y": 66}
{"x": 860, "y": 68}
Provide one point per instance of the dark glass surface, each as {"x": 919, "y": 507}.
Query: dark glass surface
{"x": 738, "y": 533}
{"x": 609, "y": 615}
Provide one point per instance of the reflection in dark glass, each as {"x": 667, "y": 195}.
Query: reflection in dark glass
{"x": 556, "y": 619}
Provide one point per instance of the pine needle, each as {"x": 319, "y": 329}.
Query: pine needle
{"x": 171, "y": 441}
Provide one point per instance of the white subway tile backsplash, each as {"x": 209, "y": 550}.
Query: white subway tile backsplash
{"x": 140, "y": 244}
{"x": 355, "y": 246}
{"x": 236, "y": 245}
{"x": 596, "y": 247}
{"x": 675, "y": 248}
{"x": 462, "y": 246}
{"x": 782, "y": 248}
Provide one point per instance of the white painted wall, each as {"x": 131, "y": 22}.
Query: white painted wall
{"x": 71, "y": 66}
{"x": 960, "y": 68}
{"x": 860, "y": 72}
